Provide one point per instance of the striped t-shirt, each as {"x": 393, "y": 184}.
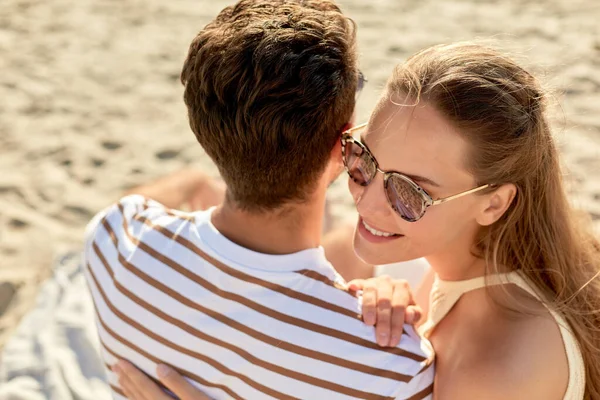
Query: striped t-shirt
{"x": 168, "y": 287}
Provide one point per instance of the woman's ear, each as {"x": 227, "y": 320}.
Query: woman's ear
{"x": 496, "y": 203}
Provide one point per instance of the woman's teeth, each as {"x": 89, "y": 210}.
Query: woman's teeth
{"x": 376, "y": 232}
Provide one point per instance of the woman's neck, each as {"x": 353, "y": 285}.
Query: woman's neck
{"x": 456, "y": 265}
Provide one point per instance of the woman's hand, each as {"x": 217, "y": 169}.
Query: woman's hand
{"x": 388, "y": 304}
{"x": 137, "y": 386}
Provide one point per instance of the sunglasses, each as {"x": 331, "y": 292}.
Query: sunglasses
{"x": 405, "y": 196}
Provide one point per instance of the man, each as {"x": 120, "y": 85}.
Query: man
{"x": 240, "y": 299}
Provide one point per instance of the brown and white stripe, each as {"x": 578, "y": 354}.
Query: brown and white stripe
{"x": 164, "y": 293}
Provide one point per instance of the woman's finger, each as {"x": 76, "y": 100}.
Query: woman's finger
{"x": 385, "y": 291}
{"x": 413, "y": 315}
{"x": 178, "y": 384}
{"x": 129, "y": 394}
{"x": 369, "y": 303}
{"x": 356, "y": 284}
{"x": 401, "y": 300}
{"x": 127, "y": 385}
{"x": 138, "y": 383}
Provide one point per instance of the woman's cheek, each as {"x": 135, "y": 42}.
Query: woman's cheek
{"x": 355, "y": 190}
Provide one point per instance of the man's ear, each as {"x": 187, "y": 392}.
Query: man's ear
{"x": 335, "y": 157}
{"x": 336, "y": 151}
{"x": 496, "y": 204}
{"x": 349, "y": 125}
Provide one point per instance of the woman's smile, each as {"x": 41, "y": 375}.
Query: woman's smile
{"x": 375, "y": 235}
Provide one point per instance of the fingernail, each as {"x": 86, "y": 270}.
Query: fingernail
{"x": 163, "y": 371}
{"x": 370, "y": 318}
{"x": 382, "y": 339}
{"x": 417, "y": 317}
{"x": 395, "y": 340}
{"x": 410, "y": 316}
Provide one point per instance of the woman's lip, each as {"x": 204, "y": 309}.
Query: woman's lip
{"x": 372, "y": 226}
{"x": 374, "y": 238}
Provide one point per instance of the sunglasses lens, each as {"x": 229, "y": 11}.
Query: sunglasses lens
{"x": 404, "y": 198}
{"x": 359, "y": 164}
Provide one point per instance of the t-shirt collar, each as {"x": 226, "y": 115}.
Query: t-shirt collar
{"x": 228, "y": 251}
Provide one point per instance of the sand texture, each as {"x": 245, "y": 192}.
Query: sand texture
{"x": 90, "y": 102}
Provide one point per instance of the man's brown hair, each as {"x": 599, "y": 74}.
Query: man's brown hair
{"x": 269, "y": 85}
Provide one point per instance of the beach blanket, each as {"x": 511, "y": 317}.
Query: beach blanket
{"x": 54, "y": 354}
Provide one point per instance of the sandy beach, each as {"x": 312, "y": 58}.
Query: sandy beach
{"x": 91, "y": 104}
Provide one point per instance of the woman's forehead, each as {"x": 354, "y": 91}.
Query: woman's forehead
{"x": 416, "y": 136}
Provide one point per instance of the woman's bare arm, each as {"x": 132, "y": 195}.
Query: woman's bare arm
{"x": 187, "y": 187}
{"x": 137, "y": 386}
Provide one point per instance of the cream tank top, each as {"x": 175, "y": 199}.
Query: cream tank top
{"x": 445, "y": 294}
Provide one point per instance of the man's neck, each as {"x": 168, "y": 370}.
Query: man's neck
{"x": 294, "y": 229}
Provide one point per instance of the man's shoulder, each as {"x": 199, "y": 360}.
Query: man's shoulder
{"x": 418, "y": 365}
{"x": 411, "y": 358}
{"x": 136, "y": 211}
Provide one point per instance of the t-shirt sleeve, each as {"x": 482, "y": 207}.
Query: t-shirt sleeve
{"x": 420, "y": 387}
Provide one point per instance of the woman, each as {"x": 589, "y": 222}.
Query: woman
{"x": 458, "y": 165}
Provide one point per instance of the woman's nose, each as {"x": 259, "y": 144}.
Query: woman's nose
{"x": 371, "y": 199}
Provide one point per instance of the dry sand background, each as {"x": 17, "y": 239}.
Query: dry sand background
{"x": 90, "y": 102}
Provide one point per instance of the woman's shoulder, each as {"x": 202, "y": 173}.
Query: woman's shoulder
{"x": 513, "y": 354}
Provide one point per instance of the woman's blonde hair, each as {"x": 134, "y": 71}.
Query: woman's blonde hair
{"x": 501, "y": 110}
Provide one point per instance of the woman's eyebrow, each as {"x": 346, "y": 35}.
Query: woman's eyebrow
{"x": 421, "y": 179}
{"x": 415, "y": 178}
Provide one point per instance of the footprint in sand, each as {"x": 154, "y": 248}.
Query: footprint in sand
{"x": 17, "y": 223}
{"x": 173, "y": 76}
{"x": 395, "y": 50}
{"x": 111, "y": 145}
{"x": 167, "y": 154}
{"x": 77, "y": 213}
{"x": 97, "y": 162}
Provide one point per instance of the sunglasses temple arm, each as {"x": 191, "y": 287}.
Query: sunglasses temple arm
{"x": 456, "y": 196}
{"x": 354, "y": 129}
